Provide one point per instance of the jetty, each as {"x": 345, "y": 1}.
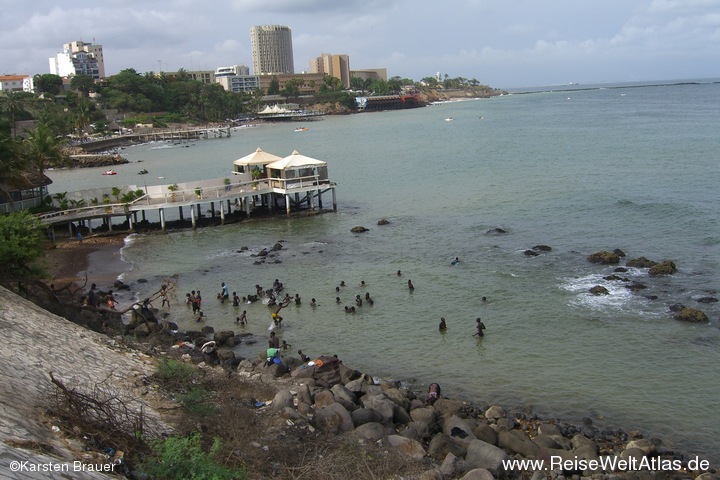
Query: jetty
{"x": 258, "y": 181}
{"x": 155, "y": 135}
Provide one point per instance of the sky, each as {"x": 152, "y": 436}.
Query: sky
{"x": 501, "y": 43}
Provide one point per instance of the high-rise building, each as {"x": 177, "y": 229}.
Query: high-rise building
{"x": 337, "y": 66}
{"x": 79, "y": 58}
{"x": 272, "y": 51}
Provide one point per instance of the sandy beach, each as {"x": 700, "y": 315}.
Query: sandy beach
{"x": 96, "y": 257}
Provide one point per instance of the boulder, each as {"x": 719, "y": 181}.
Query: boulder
{"x": 647, "y": 446}
{"x": 371, "y": 431}
{"x": 486, "y": 433}
{"x": 225, "y": 338}
{"x": 424, "y": 414}
{"x": 407, "y": 446}
{"x": 332, "y": 419}
{"x": 208, "y": 330}
{"x": 447, "y": 407}
{"x": 277, "y": 247}
{"x": 361, "y": 416}
{"x": 636, "y": 286}
{"x": 434, "y": 474}
{"x": 542, "y": 248}
{"x": 691, "y": 315}
{"x": 548, "y": 429}
{"x": 383, "y": 221}
{"x": 604, "y": 257}
{"x": 458, "y": 430}
{"x": 401, "y": 416}
{"x": 325, "y": 371}
{"x": 283, "y": 399}
{"x": 358, "y": 229}
{"x": 530, "y": 253}
{"x": 496, "y": 231}
{"x": 357, "y": 386}
{"x": 546, "y": 441}
{"x": 478, "y": 474}
{"x": 441, "y": 446}
{"x": 381, "y": 404}
{"x": 450, "y": 465}
{"x": 303, "y": 394}
{"x": 517, "y": 442}
{"x": 665, "y": 267}
{"x": 340, "y": 391}
{"x": 619, "y": 253}
{"x": 348, "y": 374}
{"x": 324, "y": 398}
{"x": 707, "y": 300}
{"x": 483, "y": 455}
{"x": 599, "y": 290}
{"x": 640, "y": 262}
{"x": 415, "y": 430}
{"x": 495, "y": 412}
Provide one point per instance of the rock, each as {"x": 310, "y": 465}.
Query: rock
{"x": 383, "y": 221}
{"x": 665, "y": 267}
{"x": 283, "y": 399}
{"x": 478, "y": 474}
{"x": 549, "y": 429}
{"x": 407, "y": 446}
{"x": 401, "y": 416}
{"x": 542, "y": 248}
{"x": 505, "y": 423}
{"x": 447, "y": 407}
{"x": 707, "y": 300}
{"x": 643, "y": 444}
{"x": 324, "y": 398}
{"x": 546, "y": 441}
{"x": 449, "y": 465}
{"x": 357, "y": 386}
{"x": 382, "y": 405}
{"x": 423, "y": 414}
{"x": 619, "y": 253}
{"x": 276, "y": 370}
{"x": 278, "y": 246}
{"x": 340, "y": 391}
{"x": 676, "y": 307}
{"x": 496, "y": 231}
{"x": 225, "y": 337}
{"x": 458, "y": 430}
{"x": 347, "y": 374}
{"x": 495, "y": 412}
{"x": 208, "y": 330}
{"x": 613, "y": 278}
{"x": 371, "y": 431}
{"x": 604, "y": 257}
{"x": 441, "y": 446}
{"x": 361, "y": 416}
{"x": 358, "y": 229}
{"x": 635, "y": 453}
{"x": 303, "y": 394}
{"x": 332, "y": 419}
{"x": 599, "y": 290}
{"x": 636, "y": 286}
{"x": 142, "y": 330}
{"x": 434, "y": 474}
{"x": 485, "y": 433}
{"x": 325, "y": 374}
{"x": 620, "y": 270}
{"x": 691, "y": 315}
{"x": 483, "y": 455}
{"x": 517, "y": 442}
{"x": 640, "y": 262}
{"x": 530, "y": 253}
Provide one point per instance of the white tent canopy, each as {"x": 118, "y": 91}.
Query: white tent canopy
{"x": 296, "y": 161}
{"x": 258, "y": 157}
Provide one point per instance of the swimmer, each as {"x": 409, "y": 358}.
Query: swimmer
{"x": 455, "y": 262}
{"x": 410, "y": 285}
{"x": 480, "y": 327}
{"x": 337, "y": 300}
{"x": 313, "y": 303}
{"x": 399, "y": 273}
{"x": 443, "y": 326}
{"x": 277, "y": 319}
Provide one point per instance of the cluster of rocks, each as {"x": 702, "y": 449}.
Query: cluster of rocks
{"x": 452, "y": 438}
{"x": 666, "y": 267}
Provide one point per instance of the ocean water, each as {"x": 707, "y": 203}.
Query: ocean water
{"x": 579, "y": 171}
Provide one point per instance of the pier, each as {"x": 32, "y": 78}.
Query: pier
{"x": 294, "y": 183}
{"x": 155, "y": 135}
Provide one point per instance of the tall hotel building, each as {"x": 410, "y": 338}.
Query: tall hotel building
{"x": 272, "y": 51}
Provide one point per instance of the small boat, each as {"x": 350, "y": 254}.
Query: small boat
{"x": 449, "y": 119}
{"x": 143, "y": 172}
{"x": 109, "y": 172}
{"x": 301, "y": 129}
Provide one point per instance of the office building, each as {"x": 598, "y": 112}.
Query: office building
{"x": 337, "y": 66}
{"x": 79, "y": 58}
{"x": 272, "y": 52}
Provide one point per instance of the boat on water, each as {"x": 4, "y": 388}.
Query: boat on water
{"x": 301, "y": 129}
{"x": 449, "y": 119}
{"x": 109, "y": 172}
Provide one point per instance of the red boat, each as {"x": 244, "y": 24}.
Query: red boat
{"x": 109, "y": 172}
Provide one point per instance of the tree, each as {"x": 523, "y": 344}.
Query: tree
{"x": 332, "y": 84}
{"x": 20, "y": 241}
{"x": 12, "y": 169}
{"x": 274, "y": 87}
{"x": 42, "y": 147}
{"x": 12, "y": 103}
{"x": 48, "y": 83}
{"x": 83, "y": 83}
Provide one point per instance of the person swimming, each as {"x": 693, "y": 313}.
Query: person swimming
{"x": 455, "y": 262}
{"x": 443, "y": 326}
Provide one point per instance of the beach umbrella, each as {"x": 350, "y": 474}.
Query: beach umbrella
{"x": 258, "y": 157}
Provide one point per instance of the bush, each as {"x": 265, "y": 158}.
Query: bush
{"x": 21, "y": 240}
{"x": 184, "y": 457}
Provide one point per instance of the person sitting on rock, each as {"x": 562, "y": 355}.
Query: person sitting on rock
{"x": 433, "y": 393}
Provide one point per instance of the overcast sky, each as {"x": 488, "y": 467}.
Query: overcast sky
{"x": 501, "y": 43}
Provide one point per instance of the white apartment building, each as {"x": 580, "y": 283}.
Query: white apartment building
{"x": 16, "y": 83}
{"x": 79, "y": 58}
{"x": 272, "y": 51}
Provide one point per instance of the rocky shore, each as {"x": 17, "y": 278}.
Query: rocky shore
{"x": 444, "y": 439}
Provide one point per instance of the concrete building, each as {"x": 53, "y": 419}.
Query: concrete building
{"x": 272, "y": 52}
{"x": 239, "y": 83}
{"x": 311, "y": 82}
{"x": 370, "y": 74}
{"x": 16, "y": 83}
{"x": 232, "y": 70}
{"x": 337, "y": 66}
{"x": 79, "y": 58}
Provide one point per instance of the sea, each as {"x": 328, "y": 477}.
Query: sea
{"x": 579, "y": 168}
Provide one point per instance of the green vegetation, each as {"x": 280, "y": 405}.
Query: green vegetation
{"x": 21, "y": 242}
{"x": 184, "y": 457}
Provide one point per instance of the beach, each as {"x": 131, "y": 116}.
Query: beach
{"x": 96, "y": 257}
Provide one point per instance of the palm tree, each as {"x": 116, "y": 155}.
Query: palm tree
{"x": 41, "y": 146}
{"x": 12, "y": 169}
{"x": 12, "y": 103}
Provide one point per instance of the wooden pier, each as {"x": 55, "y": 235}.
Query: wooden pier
{"x": 220, "y": 197}
{"x": 156, "y": 135}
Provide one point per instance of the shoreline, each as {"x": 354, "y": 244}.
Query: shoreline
{"x": 100, "y": 258}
